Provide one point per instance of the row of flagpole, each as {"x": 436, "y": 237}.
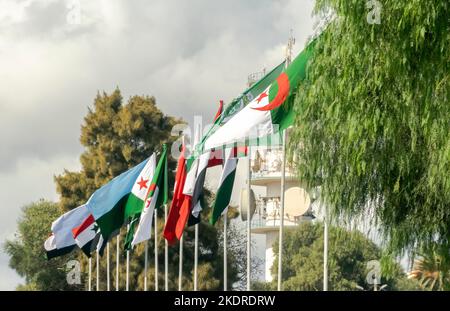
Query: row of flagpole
{"x": 225, "y": 263}
{"x": 225, "y": 224}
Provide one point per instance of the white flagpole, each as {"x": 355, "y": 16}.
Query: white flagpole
{"x": 145, "y": 265}
{"x": 107, "y": 267}
{"x": 180, "y": 267}
{"x": 249, "y": 222}
{"x": 289, "y": 47}
{"x": 98, "y": 270}
{"x": 196, "y": 258}
{"x": 156, "y": 250}
{"x": 325, "y": 251}
{"x": 117, "y": 262}
{"x": 225, "y": 264}
{"x": 166, "y": 255}
{"x": 90, "y": 275}
{"x": 280, "y": 242}
{"x": 127, "y": 282}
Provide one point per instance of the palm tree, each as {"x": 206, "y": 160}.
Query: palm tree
{"x": 432, "y": 268}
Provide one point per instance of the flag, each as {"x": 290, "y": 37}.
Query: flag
{"x": 196, "y": 177}
{"x": 268, "y": 113}
{"x": 84, "y": 235}
{"x": 219, "y": 112}
{"x": 107, "y": 204}
{"x": 225, "y": 189}
{"x": 88, "y": 237}
{"x": 61, "y": 241}
{"x": 53, "y": 251}
{"x": 198, "y": 182}
{"x": 170, "y": 229}
{"x": 157, "y": 195}
{"x": 136, "y": 199}
{"x": 241, "y": 101}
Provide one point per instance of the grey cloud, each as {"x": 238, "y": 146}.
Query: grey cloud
{"x": 188, "y": 54}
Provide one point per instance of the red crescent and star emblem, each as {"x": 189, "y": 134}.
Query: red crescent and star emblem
{"x": 283, "y": 92}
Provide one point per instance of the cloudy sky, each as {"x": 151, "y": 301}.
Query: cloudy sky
{"x": 55, "y": 55}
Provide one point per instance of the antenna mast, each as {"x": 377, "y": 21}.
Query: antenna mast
{"x": 289, "y": 48}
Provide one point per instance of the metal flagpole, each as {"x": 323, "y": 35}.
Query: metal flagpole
{"x": 280, "y": 242}
{"x": 196, "y": 258}
{"x": 127, "y": 283}
{"x": 117, "y": 262}
{"x": 98, "y": 273}
{"x": 145, "y": 265}
{"x": 156, "y": 250}
{"x": 90, "y": 275}
{"x": 325, "y": 251}
{"x": 290, "y": 45}
{"x": 249, "y": 223}
{"x": 180, "y": 266}
{"x": 225, "y": 264}
{"x": 107, "y": 267}
{"x": 166, "y": 255}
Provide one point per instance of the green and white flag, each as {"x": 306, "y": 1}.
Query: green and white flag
{"x": 157, "y": 195}
{"x": 136, "y": 199}
{"x": 225, "y": 189}
{"x": 268, "y": 113}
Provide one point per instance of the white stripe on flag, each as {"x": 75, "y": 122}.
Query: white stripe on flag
{"x": 144, "y": 229}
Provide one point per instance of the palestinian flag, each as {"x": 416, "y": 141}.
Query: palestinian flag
{"x": 156, "y": 197}
{"x": 61, "y": 240}
{"x": 107, "y": 204}
{"x": 225, "y": 189}
{"x": 136, "y": 199}
{"x": 268, "y": 113}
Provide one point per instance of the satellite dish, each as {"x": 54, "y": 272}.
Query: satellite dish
{"x": 243, "y": 206}
{"x": 297, "y": 202}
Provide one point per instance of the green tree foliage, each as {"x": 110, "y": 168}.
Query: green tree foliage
{"x": 373, "y": 118}
{"x": 348, "y": 255}
{"x": 27, "y": 254}
{"x": 116, "y": 137}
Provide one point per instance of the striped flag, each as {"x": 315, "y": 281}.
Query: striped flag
{"x": 225, "y": 189}
{"x": 156, "y": 197}
{"x": 61, "y": 241}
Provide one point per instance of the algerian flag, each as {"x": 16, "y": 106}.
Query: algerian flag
{"x": 157, "y": 196}
{"x": 61, "y": 241}
{"x": 225, "y": 189}
{"x": 136, "y": 200}
{"x": 268, "y": 113}
{"x": 107, "y": 204}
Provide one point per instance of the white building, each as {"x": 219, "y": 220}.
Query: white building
{"x": 266, "y": 175}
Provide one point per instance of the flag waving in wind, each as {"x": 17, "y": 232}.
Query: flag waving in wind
{"x": 175, "y": 214}
{"x": 136, "y": 200}
{"x": 223, "y": 195}
{"x": 269, "y": 112}
{"x": 157, "y": 196}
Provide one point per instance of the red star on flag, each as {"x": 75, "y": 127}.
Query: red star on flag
{"x": 261, "y": 97}
{"x": 142, "y": 183}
